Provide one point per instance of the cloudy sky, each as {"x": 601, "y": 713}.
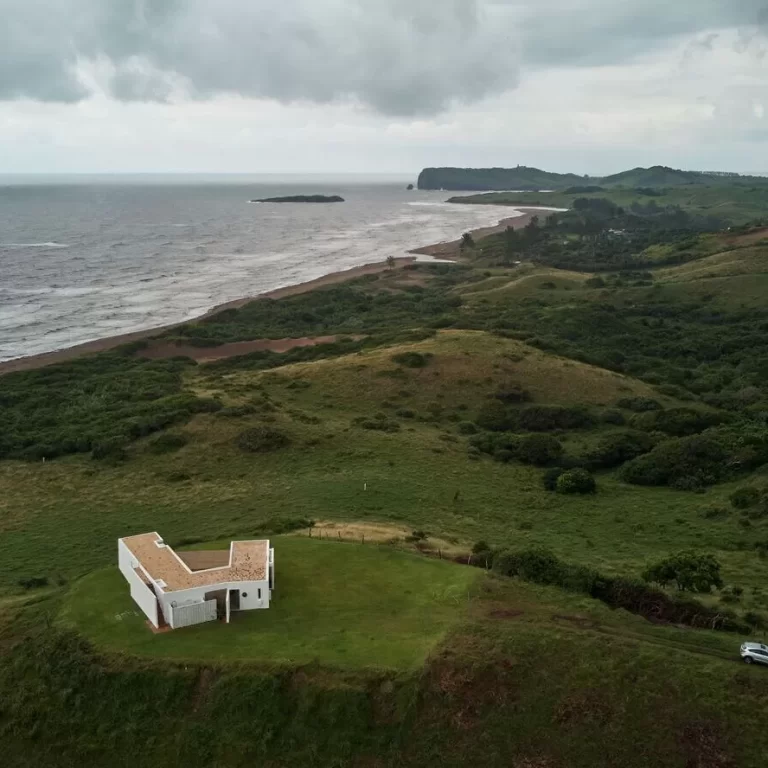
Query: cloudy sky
{"x": 382, "y": 85}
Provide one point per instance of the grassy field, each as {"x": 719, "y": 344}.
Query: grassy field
{"x": 336, "y": 604}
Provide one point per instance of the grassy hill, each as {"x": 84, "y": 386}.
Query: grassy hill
{"x": 450, "y": 394}
{"x": 533, "y": 179}
{"x": 529, "y": 676}
{"x": 520, "y": 178}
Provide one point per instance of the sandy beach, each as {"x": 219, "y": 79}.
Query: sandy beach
{"x": 446, "y": 250}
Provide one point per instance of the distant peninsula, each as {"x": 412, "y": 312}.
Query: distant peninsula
{"x": 525, "y": 179}
{"x": 302, "y": 199}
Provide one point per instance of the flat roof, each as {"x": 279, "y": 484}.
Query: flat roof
{"x": 248, "y": 561}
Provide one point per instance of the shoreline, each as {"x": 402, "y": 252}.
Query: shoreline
{"x": 445, "y": 250}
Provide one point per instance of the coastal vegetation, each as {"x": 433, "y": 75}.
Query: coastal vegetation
{"x": 577, "y": 408}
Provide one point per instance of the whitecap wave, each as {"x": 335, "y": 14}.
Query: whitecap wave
{"x": 50, "y": 244}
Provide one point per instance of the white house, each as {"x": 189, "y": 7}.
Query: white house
{"x": 177, "y": 589}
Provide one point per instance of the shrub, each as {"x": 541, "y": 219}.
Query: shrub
{"x": 754, "y": 619}
{"x": 690, "y": 571}
{"x": 110, "y": 449}
{"x": 494, "y": 417}
{"x": 466, "y": 428}
{"x": 612, "y": 416}
{"x": 550, "y": 478}
{"x": 168, "y": 442}
{"x": 503, "y": 455}
{"x": 379, "y": 422}
{"x": 33, "y": 582}
{"x": 411, "y": 359}
{"x": 618, "y": 448}
{"x": 539, "y": 449}
{"x": 696, "y": 459}
{"x": 595, "y": 282}
{"x": 678, "y": 422}
{"x": 743, "y": 498}
{"x": 639, "y": 404}
{"x": 261, "y": 440}
{"x": 545, "y": 418}
{"x": 237, "y": 411}
{"x": 512, "y": 394}
{"x": 405, "y": 413}
{"x": 576, "y": 481}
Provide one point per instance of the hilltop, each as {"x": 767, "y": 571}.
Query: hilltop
{"x": 524, "y": 179}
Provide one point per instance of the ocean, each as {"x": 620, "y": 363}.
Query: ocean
{"x": 85, "y": 258}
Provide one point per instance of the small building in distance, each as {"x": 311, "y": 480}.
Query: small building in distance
{"x": 177, "y": 589}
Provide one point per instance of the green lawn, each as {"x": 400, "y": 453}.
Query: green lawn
{"x": 339, "y": 604}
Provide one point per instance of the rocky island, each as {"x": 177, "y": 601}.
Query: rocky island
{"x": 302, "y": 199}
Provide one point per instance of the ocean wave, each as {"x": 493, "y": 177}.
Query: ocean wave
{"x": 50, "y": 244}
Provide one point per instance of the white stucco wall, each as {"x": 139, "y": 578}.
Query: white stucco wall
{"x": 142, "y": 595}
{"x": 197, "y": 594}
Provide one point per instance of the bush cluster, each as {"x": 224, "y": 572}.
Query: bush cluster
{"x": 92, "y": 404}
{"x": 262, "y": 439}
{"x": 494, "y": 416}
{"x": 615, "y": 449}
{"x": 378, "y": 422}
{"x": 412, "y": 359}
{"x": 539, "y": 450}
{"x": 541, "y": 566}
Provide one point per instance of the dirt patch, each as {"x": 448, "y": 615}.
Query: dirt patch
{"x": 584, "y": 707}
{"x": 378, "y": 533}
{"x": 750, "y": 238}
{"x": 162, "y": 349}
{"x": 579, "y": 621}
{"x": 473, "y": 690}
{"x": 204, "y": 682}
{"x": 704, "y": 747}
{"x": 505, "y": 613}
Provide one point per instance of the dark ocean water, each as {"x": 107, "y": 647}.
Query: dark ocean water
{"x": 85, "y": 259}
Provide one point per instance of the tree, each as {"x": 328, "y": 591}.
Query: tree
{"x": 467, "y": 241}
{"x": 391, "y": 262}
{"x": 689, "y": 571}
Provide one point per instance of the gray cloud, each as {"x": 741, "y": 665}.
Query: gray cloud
{"x": 398, "y": 57}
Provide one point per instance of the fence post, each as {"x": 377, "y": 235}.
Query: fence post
{"x": 363, "y": 538}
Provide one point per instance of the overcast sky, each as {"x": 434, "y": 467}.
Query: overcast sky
{"x": 322, "y": 86}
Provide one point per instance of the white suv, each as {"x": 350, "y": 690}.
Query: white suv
{"x": 756, "y": 652}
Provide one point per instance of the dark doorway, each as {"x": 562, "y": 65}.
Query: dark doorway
{"x": 234, "y": 599}
{"x": 220, "y": 596}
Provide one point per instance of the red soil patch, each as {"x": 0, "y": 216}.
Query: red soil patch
{"x": 163, "y": 349}
{"x": 505, "y": 613}
{"x": 750, "y": 238}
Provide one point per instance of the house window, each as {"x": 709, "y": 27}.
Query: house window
{"x": 259, "y": 592}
